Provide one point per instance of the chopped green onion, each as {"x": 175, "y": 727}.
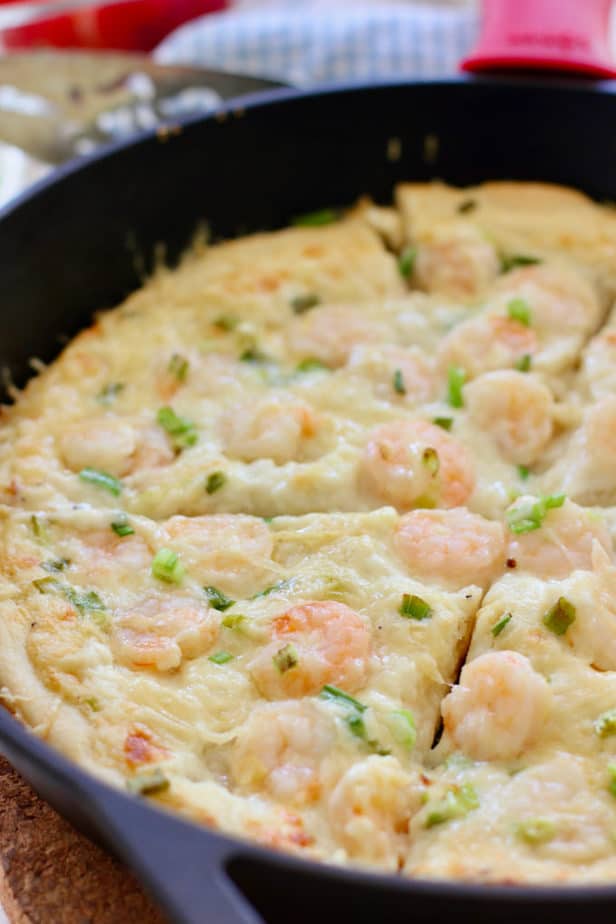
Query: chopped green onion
{"x": 39, "y": 528}
{"x": 218, "y": 600}
{"x": 605, "y": 724}
{"x": 519, "y": 310}
{"x": 54, "y": 565}
{"x": 254, "y": 355}
{"x": 560, "y": 616}
{"x": 214, "y": 482}
{"x": 524, "y": 363}
{"x": 101, "y": 479}
{"x": 536, "y": 831}
{"x": 517, "y": 259}
{"x": 181, "y": 430}
{"x": 413, "y": 607}
{"x": 530, "y": 516}
{"x": 456, "y": 378}
{"x": 233, "y": 620}
{"x": 226, "y": 322}
{"x": 498, "y": 627}
{"x": 401, "y": 723}
{"x": 406, "y": 261}
{"x": 523, "y": 472}
{"x": 286, "y": 658}
{"x": 178, "y": 366}
{"x": 445, "y": 423}
{"x": 335, "y": 695}
{"x": 93, "y": 703}
{"x": 316, "y": 219}
{"x": 273, "y": 588}
{"x": 146, "y": 784}
{"x": 122, "y": 528}
{"x": 357, "y": 726}
{"x": 398, "y": 382}
{"x": 467, "y": 205}
{"x": 611, "y": 769}
{"x": 430, "y": 459}
{"x": 221, "y": 657}
{"x": 303, "y": 303}
{"x": 310, "y": 365}
{"x": 166, "y": 566}
{"x": 109, "y": 393}
{"x": 457, "y": 803}
{"x": 81, "y": 600}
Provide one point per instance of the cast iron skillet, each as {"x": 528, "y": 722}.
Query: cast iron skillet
{"x": 83, "y": 240}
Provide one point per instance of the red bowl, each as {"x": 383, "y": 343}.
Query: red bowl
{"x": 135, "y": 25}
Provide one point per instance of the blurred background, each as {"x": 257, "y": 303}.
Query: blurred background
{"x": 75, "y": 74}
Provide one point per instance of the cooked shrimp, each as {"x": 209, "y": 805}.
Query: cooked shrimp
{"x": 485, "y": 343}
{"x": 457, "y": 260}
{"x": 561, "y": 300}
{"x": 280, "y": 749}
{"x": 229, "y": 551}
{"x": 515, "y": 409}
{"x": 269, "y": 429}
{"x": 593, "y": 631}
{"x": 562, "y": 544}
{"x": 409, "y": 463}
{"x": 313, "y": 644}
{"x": 397, "y": 372}
{"x": 453, "y": 547}
{"x": 330, "y": 332}
{"x": 97, "y": 553}
{"x": 371, "y": 808}
{"x": 498, "y": 708}
{"x": 113, "y": 445}
{"x": 160, "y": 631}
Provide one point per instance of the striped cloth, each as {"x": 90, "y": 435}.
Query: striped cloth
{"x": 303, "y": 45}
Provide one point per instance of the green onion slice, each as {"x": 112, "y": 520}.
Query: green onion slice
{"x": 523, "y": 472}
{"x": 560, "y": 616}
{"x": 518, "y": 259}
{"x": 611, "y": 769}
{"x": 414, "y": 607}
{"x": 181, "y": 430}
{"x": 233, "y": 620}
{"x": 215, "y": 482}
{"x": 178, "y": 367}
{"x": 286, "y": 658}
{"x": 456, "y": 377}
{"x": 406, "y": 261}
{"x": 218, "y": 600}
{"x": 316, "y": 219}
{"x": 226, "y": 322}
{"x": 221, "y": 657}
{"x": 402, "y": 726}
{"x": 335, "y": 695}
{"x": 55, "y": 565}
{"x": 166, "y": 566}
{"x": 122, "y": 528}
{"x": 530, "y": 515}
{"x": 445, "y": 423}
{"x": 430, "y": 459}
{"x": 100, "y": 479}
{"x": 310, "y": 364}
{"x": 519, "y": 310}
{"x": 148, "y": 783}
{"x": 457, "y": 803}
{"x": 398, "y": 382}
{"x": 109, "y": 393}
{"x": 536, "y": 831}
{"x": 498, "y": 627}
{"x": 302, "y": 303}
{"x": 524, "y": 363}
{"x": 605, "y": 724}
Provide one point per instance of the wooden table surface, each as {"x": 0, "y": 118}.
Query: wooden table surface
{"x": 50, "y": 874}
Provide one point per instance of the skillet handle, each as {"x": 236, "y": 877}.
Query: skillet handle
{"x": 184, "y": 867}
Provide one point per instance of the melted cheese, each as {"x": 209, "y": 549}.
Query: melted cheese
{"x": 248, "y": 519}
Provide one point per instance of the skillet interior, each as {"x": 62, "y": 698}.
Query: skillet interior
{"x": 84, "y": 240}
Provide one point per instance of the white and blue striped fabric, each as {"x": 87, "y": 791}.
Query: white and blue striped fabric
{"x": 303, "y": 45}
